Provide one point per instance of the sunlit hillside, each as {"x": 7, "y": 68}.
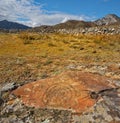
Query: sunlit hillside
{"x": 26, "y": 57}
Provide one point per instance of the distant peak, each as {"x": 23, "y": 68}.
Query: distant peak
{"x": 5, "y": 24}
{"x": 111, "y": 16}
{"x": 108, "y": 19}
{"x": 4, "y": 20}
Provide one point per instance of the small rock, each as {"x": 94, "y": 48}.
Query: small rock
{"x": 94, "y": 51}
{"x": 8, "y": 87}
{"x": 71, "y": 66}
{"x": 1, "y": 101}
{"x": 117, "y": 82}
{"x": 46, "y": 121}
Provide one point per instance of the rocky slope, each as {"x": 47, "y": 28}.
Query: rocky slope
{"x": 100, "y": 26}
{"x": 108, "y": 24}
{"x": 73, "y": 24}
{"x": 71, "y": 97}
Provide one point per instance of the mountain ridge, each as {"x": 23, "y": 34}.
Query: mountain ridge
{"x": 109, "y": 19}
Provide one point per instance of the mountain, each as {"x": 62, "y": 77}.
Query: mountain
{"x": 12, "y": 25}
{"x": 108, "y": 20}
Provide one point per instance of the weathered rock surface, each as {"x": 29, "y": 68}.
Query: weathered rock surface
{"x": 66, "y": 91}
{"x": 73, "y": 92}
{"x": 14, "y": 111}
{"x": 71, "y": 97}
{"x": 106, "y": 110}
{"x": 8, "y": 87}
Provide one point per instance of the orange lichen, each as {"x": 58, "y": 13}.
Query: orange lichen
{"x": 69, "y": 90}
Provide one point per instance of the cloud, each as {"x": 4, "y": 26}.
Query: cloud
{"x": 31, "y": 13}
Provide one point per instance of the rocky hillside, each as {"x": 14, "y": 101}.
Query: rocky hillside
{"x": 11, "y": 25}
{"x": 70, "y": 24}
{"x": 71, "y": 78}
{"x": 104, "y": 25}
{"x": 108, "y": 24}
{"x": 73, "y": 24}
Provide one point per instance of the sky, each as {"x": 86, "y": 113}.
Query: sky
{"x": 49, "y": 12}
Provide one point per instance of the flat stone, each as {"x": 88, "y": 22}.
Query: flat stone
{"x": 68, "y": 91}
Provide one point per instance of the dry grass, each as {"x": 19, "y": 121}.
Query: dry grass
{"x": 48, "y": 54}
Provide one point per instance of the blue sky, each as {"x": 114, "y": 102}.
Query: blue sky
{"x": 97, "y": 8}
{"x": 50, "y": 12}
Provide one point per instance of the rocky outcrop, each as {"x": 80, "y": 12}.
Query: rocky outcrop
{"x": 110, "y": 24}
{"x": 108, "y": 19}
{"x": 92, "y": 30}
{"x": 99, "y": 97}
{"x": 80, "y": 96}
{"x": 113, "y": 29}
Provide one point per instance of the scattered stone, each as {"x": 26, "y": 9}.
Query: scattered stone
{"x": 1, "y": 101}
{"x": 8, "y": 87}
{"x": 86, "y": 30}
{"x": 71, "y": 66}
{"x": 94, "y": 51}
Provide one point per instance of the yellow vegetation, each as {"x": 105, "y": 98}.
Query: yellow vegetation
{"x": 32, "y": 55}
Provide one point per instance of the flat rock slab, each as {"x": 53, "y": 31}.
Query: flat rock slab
{"x": 70, "y": 90}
